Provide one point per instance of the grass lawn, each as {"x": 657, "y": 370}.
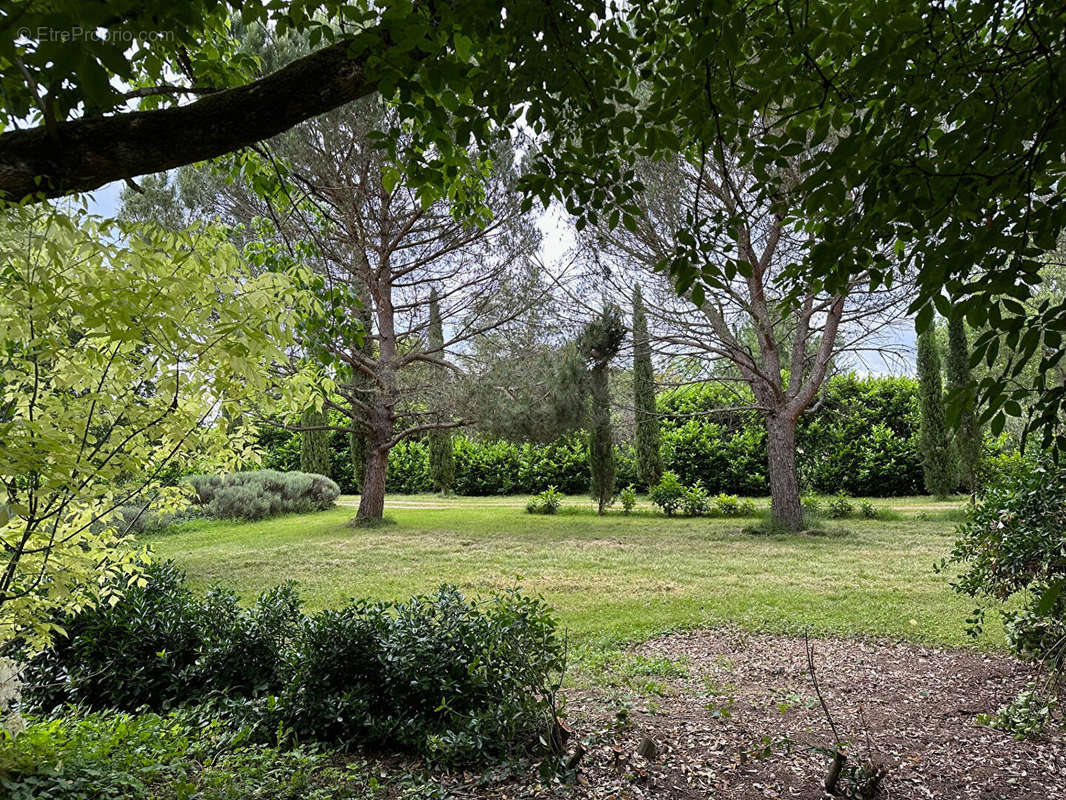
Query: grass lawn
{"x": 609, "y": 579}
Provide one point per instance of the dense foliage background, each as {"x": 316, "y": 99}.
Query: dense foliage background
{"x": 861, "y": 438}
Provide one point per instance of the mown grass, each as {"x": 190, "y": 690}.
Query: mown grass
{"x": 610, "y": 579}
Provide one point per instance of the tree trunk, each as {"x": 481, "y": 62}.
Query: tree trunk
{"x": 785, "y": 505}
{"x": 372, "y": 499}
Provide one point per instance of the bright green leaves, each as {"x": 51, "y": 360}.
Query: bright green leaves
{"x": 121, "y": 350}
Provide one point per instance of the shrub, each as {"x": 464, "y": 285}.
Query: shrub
{"x": 867, "y": 509}
{"x": 547, "y": 502}
{"x": 695, "y": 501}
{"x": 1024, "y": 716}
{"x": 812, "y": 504}
{"x": 160, "y": 647}
{"x": 729, "y": 505}
{"x": 668, "y": 493}
{"x": 1013, "y": 543}
{"x": 447, "y": 678}
{"x": 262, "y": 493}
{"x": 628, "y": 498}
{"x": 840, "y": 506}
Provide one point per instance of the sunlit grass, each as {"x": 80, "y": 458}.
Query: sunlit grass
{"x": 610, "y": 579}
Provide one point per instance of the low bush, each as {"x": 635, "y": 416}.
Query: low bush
{"x": 695, "y": 502}
{"x": 729, "y": 505}
{"x": 628, "y": 498}
{"x": 668, "y": 494}
{"x": 262, "y": 493}
{"x": 450, "y": 679}
{"x": 840, "y": 506}
{"x": 161, "y": 646}
{"x": 547, "y": 502}
{"x": 867, "y": 509}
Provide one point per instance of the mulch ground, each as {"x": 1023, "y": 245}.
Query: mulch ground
{"x": 746, "y": 723}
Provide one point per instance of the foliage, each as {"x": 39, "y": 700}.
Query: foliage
{"x": 121, "y": 756}
{"x": 441, "y": 452}
{"x": 161, "y": 646}
{"x": 862, "y": 438}
{"x": 115, "y": 368}
{"x": 262, "y": 493}
{"x": 668, "y": 494}
{"x": 695, "y": 502}
{"x": 648, "y": 440}
{"x": 729, "y": 505}
{"x": 451, "y": 679}
{"x": 547, "y": 502}
{"x": 840, "y": 506}
{"x": 1026, "y": 715}
{"x": 962, "y": 403}
{"x": 867, "y": 509}
{"x": 314, "y": 444}
{"x": 1014, "y": 544}
{"x": 938, "y": 462}
{"x": 600, "y": 342}
{"x": 628, "y": 498}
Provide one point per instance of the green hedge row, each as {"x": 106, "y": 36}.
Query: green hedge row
{"x": 862, "y": 439}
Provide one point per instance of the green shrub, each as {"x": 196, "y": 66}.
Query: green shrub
{"x": 812, "y": 504}
{"x": 695, "y": 502}
{"x": 161, "y": 646}
{"x": 438, "y": 675}
{"x": 547, "y": 502}
{"x": 840, "y": 506}
{"x": 1013, "y": 544}
{"x": 729, "y": 505}
{"x": 628, "y": 498}
{"x": 1025, "y": 716}
{"x": 441, "y": 676}
{"x": 867, "y": 509}
{"x": 668, "y": 493}
{"x": 262, "y": 493}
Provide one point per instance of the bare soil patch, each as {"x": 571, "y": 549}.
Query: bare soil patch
{"x": 744, "y": 723}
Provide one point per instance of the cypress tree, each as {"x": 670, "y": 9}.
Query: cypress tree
{"x": 441, "y": 455}
{"x": 649, "y": 457}
{"x": 314, "y": 445}
{"x": 600, "y": 343}
{"x": 937, "y": 462}
{"x": 963, "y": 397}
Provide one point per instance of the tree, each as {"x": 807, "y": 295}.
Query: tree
{"x": 962, "y": 392}
{"x": 441, "y": 455}
{"x": 113, "y": 368}
{"x": 649, "y": 457}
{"x": 938, "y": 463}
{"x": 600, "y": 342}
{"x": 778, "y": 335}
{"x": 337, "y": 203}
{"x": 314, "y": 442}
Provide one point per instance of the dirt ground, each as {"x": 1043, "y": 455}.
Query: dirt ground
{"x": 744, "y": 722}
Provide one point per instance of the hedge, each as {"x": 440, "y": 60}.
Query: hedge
{"x": 862, "y": 439}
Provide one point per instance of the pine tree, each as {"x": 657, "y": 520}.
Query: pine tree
{"x": 963, "y": 397}
{"x": 938, "y": 464}
{"x": 441, "y": 456}
{"x": 314, "y": 444}
{"x": 600, "y": 343}
{"x": 649, "y": 456}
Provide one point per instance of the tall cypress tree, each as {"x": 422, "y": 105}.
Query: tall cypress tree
{"x": 649, "y": 456}
{"x": 441, "y": 451}
{"x": 938, "y": 465}
{"x": 963, "y": 397}
{"x": 600, "y": 343}
{"x": 314, "y": 444}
